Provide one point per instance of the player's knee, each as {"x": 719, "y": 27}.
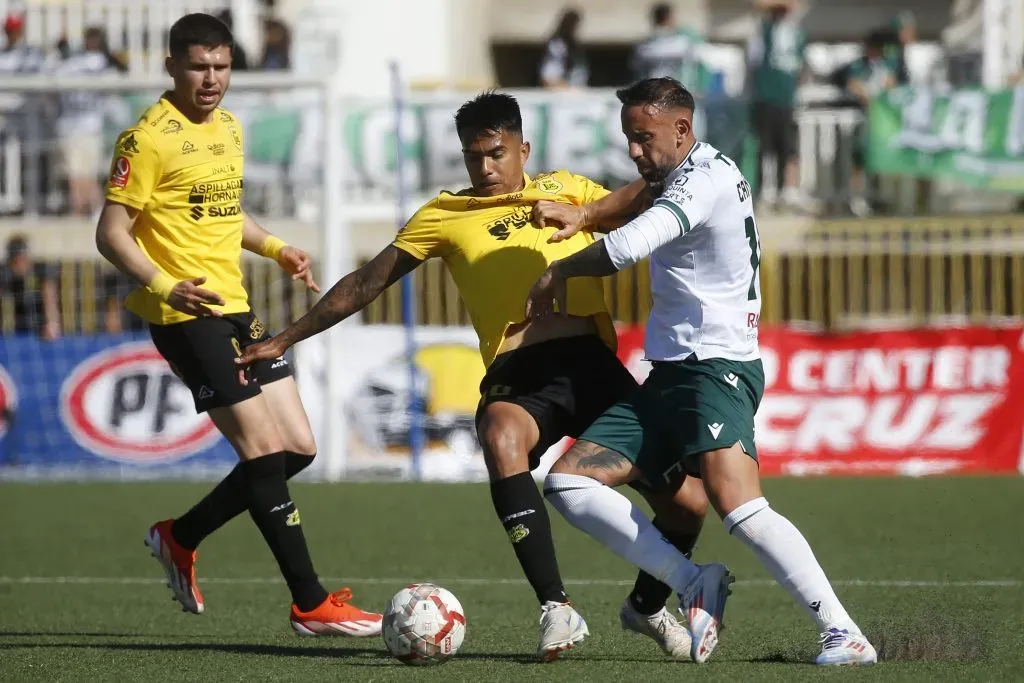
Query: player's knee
{"x": 506, "y": 447}
{"x": 304, "y": 445}
{"x": 691, "y": 500}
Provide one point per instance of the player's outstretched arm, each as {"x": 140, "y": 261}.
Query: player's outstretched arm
{"x": 292, "y": 260}
{"x": 604, "y": 215}
{"x": 115, "y": 243}
{"x": 350, "y": 295}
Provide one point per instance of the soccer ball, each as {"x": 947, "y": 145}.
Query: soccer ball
{"x": 424, "y": 624}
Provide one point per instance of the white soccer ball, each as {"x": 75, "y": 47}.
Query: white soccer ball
{"x": 424, "y": 624}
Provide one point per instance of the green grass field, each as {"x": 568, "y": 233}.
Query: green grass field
{"x": 932, "y": 569}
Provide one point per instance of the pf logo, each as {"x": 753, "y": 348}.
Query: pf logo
{"x": 125, "y": 404}
{"x": 8, "y": 401}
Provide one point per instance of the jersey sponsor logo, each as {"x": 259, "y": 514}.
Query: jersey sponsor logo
{"x": 125, "y": 404}
{"x": 216, "y": 148}
{"x": 8, "y": 401}
{"x": 216, "y": 192}
{"x": 157, "y": 120}
{"x": 236, "y": 138}
{"x": 226, "y": 117}
{"x": 676, "y": 192}
{"x": 256, "y": 329}
{"x": 743, "y": 190}
{"x": 187, "y": 147}
{"x": 546, "y": 183}
{"x": 173, "y": 127}
{"x": 121, "y": 171}
{"x": 520, "y": 217}
{"x": 222, "y": 211}
{"x": 221, "y": 170}
{"x": 129, "y": 145}
{"x": 473, "y": 203}
{"x": 196, "y": 212}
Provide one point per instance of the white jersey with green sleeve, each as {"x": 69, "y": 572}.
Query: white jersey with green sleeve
{"x": 704, "y": 253}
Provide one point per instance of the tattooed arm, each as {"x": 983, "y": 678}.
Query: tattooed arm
{"x": 349, "y": 295}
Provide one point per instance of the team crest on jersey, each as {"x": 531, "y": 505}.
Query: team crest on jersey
{"x": 173, "y": 127}
{"x": 546, "y": 183}
{"x": 256, "y": 329}
{"x": 129, "y": 145}
{"x": 120, "y": 172}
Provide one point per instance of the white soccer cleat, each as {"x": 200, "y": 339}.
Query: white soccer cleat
{"x": 840, "y": 647}
{"x": 561, "y": 627}
{"x": 703, "y": 606}
{"x": 661, "y": 627}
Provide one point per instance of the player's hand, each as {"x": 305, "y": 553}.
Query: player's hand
{"x": 188, "y": 297}
{"x": 569, "y": 218}
{"x": 547, "y": 292}
{"x": 299, "y": 265}
{"x": 271, "y": 349}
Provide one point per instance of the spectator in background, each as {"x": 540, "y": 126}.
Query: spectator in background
{"x": 670, "y": 51}
{"x": 902, "y": 31}
{"x": 17, "y": 55}
{"x": 564, "y": 65}
{"x": 963, "y": 40}
{"x": 33, "y": 288}
{"x": 870, "y": 75}
{"x": 80, "y": 123}
{"x": 239, "y": 59}
{"x": 277, "y": 46}
{"x": 776, "y": 61}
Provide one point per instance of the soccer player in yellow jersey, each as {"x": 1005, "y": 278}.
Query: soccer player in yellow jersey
{"x": 173, "y": 221}
{"x": 546, "y": 378}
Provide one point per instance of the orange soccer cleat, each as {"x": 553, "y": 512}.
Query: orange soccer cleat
{"x": 336, "y": 617}
{"x": 179, "y": 566}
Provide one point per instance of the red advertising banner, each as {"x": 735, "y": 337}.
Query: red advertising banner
{"x": 914, "y": 402}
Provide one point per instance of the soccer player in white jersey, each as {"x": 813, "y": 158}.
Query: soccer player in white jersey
{"x": 694, "y": 415}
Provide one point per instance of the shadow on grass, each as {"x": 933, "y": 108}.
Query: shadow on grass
{"x": 358, "y": 656}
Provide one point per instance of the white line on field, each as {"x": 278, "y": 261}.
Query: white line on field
{"x": 145, "y": 580}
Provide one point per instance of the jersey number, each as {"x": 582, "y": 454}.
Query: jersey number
{"x": 755, "y": 256}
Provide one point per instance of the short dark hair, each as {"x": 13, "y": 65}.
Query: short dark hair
{"x": 661, "y": 13}
{"x": 663, "y": 93}
{"x": 489, "y": 110}
{"x": 198, "y": 29}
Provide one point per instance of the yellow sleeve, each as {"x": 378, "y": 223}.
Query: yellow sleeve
{"x": 580, "y": 189}
{"x": 135, "y": 170}
{"x": 424, "y": 236}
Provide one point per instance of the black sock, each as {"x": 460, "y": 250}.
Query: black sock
{"x": 226, "y": 501}
{"x": 521, "y": 509}
{"x": 649, "y": 594}
{"x": 272, "y": 509}
{"x": 295, "y": 463}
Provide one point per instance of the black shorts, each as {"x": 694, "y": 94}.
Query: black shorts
{"x": 564, "y": 384}
{"x": 201, "y": 352}
{"x": 776, "y": 130}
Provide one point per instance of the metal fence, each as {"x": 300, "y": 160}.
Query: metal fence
{"x": 838, "y": 274}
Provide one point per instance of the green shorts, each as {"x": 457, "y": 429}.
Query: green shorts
{"x": 684, "y": 409}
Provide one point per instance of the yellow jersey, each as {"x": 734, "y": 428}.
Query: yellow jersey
{"x": 495, "y": 253}
{"x": 185, "y": 179}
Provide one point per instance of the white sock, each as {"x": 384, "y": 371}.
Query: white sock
{"x": 612, "y": 519}
{"x": 785, "y": 553}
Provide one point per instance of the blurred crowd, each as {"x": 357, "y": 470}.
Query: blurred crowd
{"x": 777, "y": 68}
{"x": 78, "y": 116}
